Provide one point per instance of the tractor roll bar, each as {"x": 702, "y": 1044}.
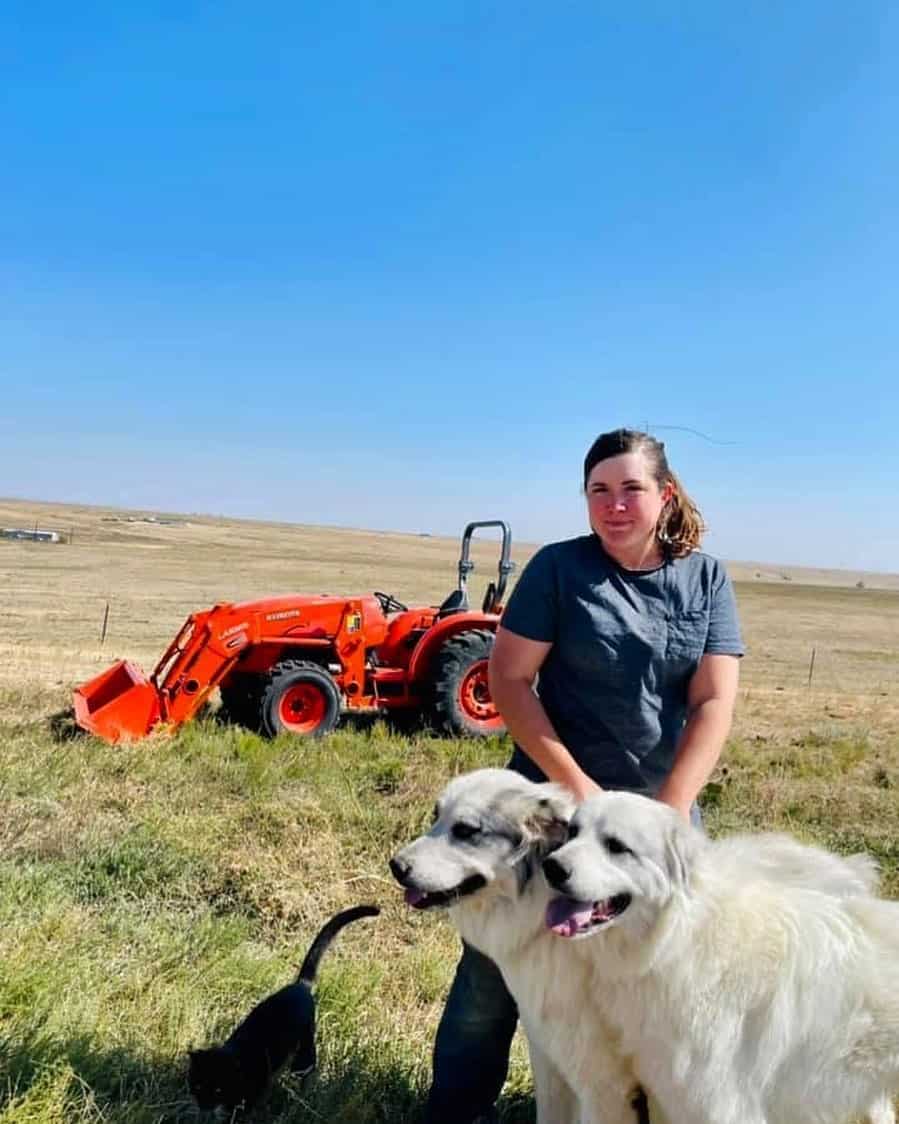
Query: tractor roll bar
{"x": 506, "y": 565}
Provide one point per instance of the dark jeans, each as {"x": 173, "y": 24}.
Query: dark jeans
{"x": 471, "y": 1052}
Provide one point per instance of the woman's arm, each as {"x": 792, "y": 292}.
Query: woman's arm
{"x": 711, "y": 696}
{"x": 513, "y": 667}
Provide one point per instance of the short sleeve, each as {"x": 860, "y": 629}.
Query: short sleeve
{"x": 724, "y": 638}
{"x": 533, "y": 607}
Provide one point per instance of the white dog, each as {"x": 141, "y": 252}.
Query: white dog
{"x": 481, "y": 859}
{"x": 752, "y": 980}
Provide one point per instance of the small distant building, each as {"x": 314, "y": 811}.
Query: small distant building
{"x": 26, "y": 535}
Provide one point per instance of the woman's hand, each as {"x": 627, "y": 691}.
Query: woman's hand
{"x": 583, "y": 788}
{"x": 682, "y": 806}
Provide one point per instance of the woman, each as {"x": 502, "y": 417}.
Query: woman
{"x": 634, "y": 635}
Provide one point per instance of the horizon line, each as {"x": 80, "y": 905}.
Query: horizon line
{"x": 387, "y": 531}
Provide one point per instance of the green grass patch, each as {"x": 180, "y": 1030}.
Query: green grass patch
{"x": 151, "y": 894}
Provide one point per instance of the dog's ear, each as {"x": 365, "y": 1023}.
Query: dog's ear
{"x": 549, "y": 820}
{"x": 681, "y": 847}
{"x": 557, "y": 800}
{"x": 543, "y": 817}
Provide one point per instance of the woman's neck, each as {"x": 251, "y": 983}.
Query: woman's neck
{"x": 649, "y": 556}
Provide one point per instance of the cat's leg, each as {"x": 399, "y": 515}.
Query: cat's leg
{"x": 303, "y": 1061}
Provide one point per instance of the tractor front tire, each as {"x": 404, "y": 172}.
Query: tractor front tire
{"x": 462, "y": 703}
{"x": 298, "y": 697}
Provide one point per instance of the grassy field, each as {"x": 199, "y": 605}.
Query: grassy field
{"x": 150, "y": 894}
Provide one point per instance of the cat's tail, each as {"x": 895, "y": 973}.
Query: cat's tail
{"x": 329, "y": 931}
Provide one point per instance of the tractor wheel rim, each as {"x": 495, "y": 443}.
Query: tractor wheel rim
{"x": 475, "y": 700}
{"x": 302, "y": 708}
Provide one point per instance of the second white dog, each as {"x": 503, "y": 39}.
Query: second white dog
{"x": 751, "y": 982}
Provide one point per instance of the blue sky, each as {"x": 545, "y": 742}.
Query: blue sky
{"x": 395, "y": 265}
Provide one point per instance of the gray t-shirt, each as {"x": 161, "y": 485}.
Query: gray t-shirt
{"x": 624, "y": 646}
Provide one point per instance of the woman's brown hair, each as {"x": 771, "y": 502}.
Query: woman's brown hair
{"x": 680, "y": 526}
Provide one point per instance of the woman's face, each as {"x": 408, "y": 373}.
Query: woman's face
{"x": 624, "y": 503}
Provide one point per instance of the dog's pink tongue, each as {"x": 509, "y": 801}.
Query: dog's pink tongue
{"x": 566, "y": 916}
{"x": 414, "y": 897}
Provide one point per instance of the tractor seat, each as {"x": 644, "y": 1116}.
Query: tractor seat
{"x": 457, "y": 602}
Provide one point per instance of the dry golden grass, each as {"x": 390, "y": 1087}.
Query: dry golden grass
{"x": 153, "y": 575}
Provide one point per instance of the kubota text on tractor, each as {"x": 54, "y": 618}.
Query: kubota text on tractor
{"x": 295, "y": 663}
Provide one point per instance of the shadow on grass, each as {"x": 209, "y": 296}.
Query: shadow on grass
{"x": 384, "y": 1094}
{"x": 80, "y": 1080}
{"x": 400, "y": 723}
{"x": 45, "y": 1078}
{"x": 63, "y": 727}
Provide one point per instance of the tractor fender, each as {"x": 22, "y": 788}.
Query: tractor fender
{"x": 437, "y": 635}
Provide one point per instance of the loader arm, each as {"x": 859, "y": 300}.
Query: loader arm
{"x": 196, "y": 661}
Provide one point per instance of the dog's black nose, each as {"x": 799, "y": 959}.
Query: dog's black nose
{"x": 400, "y": 870}
{"x": 556, "y": 874}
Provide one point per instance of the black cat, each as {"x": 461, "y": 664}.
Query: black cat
{"x": 280, "y": 1029}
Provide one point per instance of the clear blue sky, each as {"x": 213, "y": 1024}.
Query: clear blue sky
{"x": 394, "y": 265}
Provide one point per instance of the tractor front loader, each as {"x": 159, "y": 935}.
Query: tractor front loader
{"x": 295, "y": 663}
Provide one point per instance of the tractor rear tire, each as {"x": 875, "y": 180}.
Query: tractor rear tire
{"x": 462, "y": 703}
{"x": 298, "y": 697}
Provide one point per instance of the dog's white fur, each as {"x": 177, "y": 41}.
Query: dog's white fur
{"x": 579, "y": 1076}
{"x": 752, "y": 980}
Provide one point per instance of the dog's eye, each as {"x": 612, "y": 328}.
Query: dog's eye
{"x": 615, "y": 846}
{"x": 465, "y": 830}
{"x": 573, "y": 830}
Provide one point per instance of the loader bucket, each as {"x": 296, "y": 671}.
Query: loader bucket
{"x": 119, "y": 704}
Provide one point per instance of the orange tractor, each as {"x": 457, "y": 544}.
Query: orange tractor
{"x": 295, "y": 663}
